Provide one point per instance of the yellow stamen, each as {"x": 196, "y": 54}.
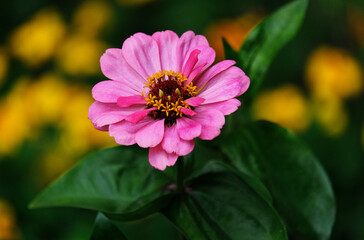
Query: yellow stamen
{"x": 150, "y": 99}
{"x": 186, "y": 105}
{"x": 158, "y": 104}
{"x": 191, "y": 89}
{"x": 166, "y": 108}
{"x": 176, "y": 107}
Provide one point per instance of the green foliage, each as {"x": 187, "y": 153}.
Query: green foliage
{"x": 299, "y": 186}
{"x": 117, "y": 180}
{"x": 156, "y": 226}
{"x": 105, "y": 229}
{"x": 219, "y": 204}
{"x": 264, "y": 42}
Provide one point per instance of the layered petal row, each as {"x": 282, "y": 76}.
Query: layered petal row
{"x": 162, "y": 93}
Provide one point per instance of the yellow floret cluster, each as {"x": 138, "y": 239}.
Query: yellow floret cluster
{"x": 166, "y": 105}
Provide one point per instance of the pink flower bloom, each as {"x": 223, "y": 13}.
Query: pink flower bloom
{"x": 162, "y": 94}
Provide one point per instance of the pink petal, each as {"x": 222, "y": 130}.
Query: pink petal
{"x": 160, "y": 159}
{"x": 209, "y": 132}
{"x": 195, "y": 101}
{"x": 186, "y": 44}
{"x": 103, "y": 128}
{"x": 246, "y": 83}
{"x": 167, "y": 42}
{"x": 131, "y": 100}
{"x": 102, "y": 114}
{"x": 110, "y": 91}
{"x": 150, "y": 135}
{"x": 142, "y": 53}
{"x": 206, "y": 58}
{"x": 137, "y": 116}
{"x": 213, "y": 71}
{"x": 190, "y": 63}
{"x": 188, "y": 112}
{"x": 225, "y": 107}
{"x": 211, "y": 122}
{"x": 172, "y": 143}
{"x": 222, "y": 90}
{"x": 225, "y": 85}
{"x": 188, "y": 129}
{"x": 194, "y": 73}
{"x": 124, "y": 132}
{"x": 115, "y": 67}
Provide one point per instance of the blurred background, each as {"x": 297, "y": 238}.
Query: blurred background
{"x": 49, "y": 61}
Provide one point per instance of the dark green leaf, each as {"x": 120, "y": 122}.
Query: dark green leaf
{"x": 113, "y": 181}
{"x": 105, "y": 229}
{"x": 156, "y": 226}
{"x": 230, "y": 53}
{"x": 300, "y": 188}
{"x": 219, "y": 204}
{"x": 248, "y": 178}
{"x": 264, "y": 42}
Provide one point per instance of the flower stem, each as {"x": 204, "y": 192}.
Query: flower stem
{"x": 180, "y": 176}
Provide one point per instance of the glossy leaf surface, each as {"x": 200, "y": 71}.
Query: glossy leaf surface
{"x": 300, "y": 188}
{"x": 117, "y": 181}
{"x": 219, "y": 204}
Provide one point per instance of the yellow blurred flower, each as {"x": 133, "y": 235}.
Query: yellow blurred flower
{"x": 45, "y": 97}
{"x": 8, "y": 227}
{"x": 80, "y": 55}
{"x": 77, "y": 135}
{"x": 14, "y": 123}
{"x": 3, "y": 65}
{"x": 49, "y": 100}
{"x": 234, "y": 31}
{"x": 285, "y": 105}
{"x": 91, "y": 17}
{"x": 331, "y": 115}
{"x": 35, "y": 41}
{"x": 54, "y": 101}
{"x": 333, "y": 71}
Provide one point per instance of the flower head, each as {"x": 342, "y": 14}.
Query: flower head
{"x": 162, "y": 94}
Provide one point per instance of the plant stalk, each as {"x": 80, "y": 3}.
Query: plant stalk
{"x": 180, "y": 176}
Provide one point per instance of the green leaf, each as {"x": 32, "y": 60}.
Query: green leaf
{"x": 230, "y": 53}
{"x": 264, "y": 42}
{"x": 219, "y": 204}
{"x": 299, "y": 186}
{"x": 156, "y": 226}
{"x": 116, "y": 181}
{"x": 105, "y": 229}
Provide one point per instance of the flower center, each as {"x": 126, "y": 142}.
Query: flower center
{"x": 167, "y": 92}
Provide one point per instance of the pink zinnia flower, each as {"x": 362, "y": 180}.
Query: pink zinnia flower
{"x": 162, "y": 94}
